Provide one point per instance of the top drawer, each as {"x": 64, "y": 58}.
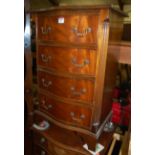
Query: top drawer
{"x": 68, "y": 28}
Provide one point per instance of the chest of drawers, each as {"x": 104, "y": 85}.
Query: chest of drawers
{"x": 76, "y": 70}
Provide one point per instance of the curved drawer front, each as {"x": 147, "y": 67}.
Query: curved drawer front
{"x": 79, "y": 61}
{"x": 68, "y": 113}
{"x": 68, "y": 28}
{"x": 77, "y": 89}
{"x": 60, "y": 151}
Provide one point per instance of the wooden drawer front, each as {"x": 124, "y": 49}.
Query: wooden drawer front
{"x": 77, "y": 89}
{"x": 60, "y": 151}
{"x": 37, "y": 150}
{"x": 72, "y": 114}
{"x": 41, "y": 140}
{"x": 68, "y": 28}
{"x": 80, "y": 61}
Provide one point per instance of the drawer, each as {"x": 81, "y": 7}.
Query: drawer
{"x": 72, "y": 60}
{"x": 68, "y": 28}
{"x": 37, "y": 150}
{"x": 72, "y": 88}
{"x": 57, "y": 134}
{"x": 40, "y": 139}
{"x": 65, "y": 112}
{"x": 61, "y": 151}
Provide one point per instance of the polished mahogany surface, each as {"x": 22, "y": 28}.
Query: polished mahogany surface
{"x": 65, "y": 59}
{"x": 68, "y": 28}
{"x": 79, "y": 89}
{"x": 73, "y": 114}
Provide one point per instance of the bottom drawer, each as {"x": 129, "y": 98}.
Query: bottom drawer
{"x": 60, "y": 151}
{"x": 54, "y": 150}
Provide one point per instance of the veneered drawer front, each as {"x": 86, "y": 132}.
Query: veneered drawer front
{"x": 72, "y": 88}
{"x": 60, "y": 151}
{"x": 79, "y": 61}
{"x": 68, "y": 28}
{"x": 68, "y": 113}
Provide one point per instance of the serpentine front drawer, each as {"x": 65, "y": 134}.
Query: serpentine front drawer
{"x": 68, "y": 113}
{"x": 68, "y": 28}
{"x": 72, "y": 88}
{"x": 65, "y": 59}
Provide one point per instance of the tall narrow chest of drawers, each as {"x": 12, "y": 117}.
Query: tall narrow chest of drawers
{"x": 76, "y": 70}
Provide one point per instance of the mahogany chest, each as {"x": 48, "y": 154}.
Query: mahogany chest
{"x": 76, "y": 72}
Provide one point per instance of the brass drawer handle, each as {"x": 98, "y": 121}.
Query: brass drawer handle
{"x": 47, "y": 107}
{"x": 42, "y": 140}
{"x": 43, "y": 153}
{"x": 83, "y": 33}
{"x": 44, "y": 125}
{"x": 85, "y": 62}
{"x": 45, "y": 30}
{"x": 45, "y": 83}
{"x": 82, "y": 116}
{"x": 78, "y": 93}
{"x": 45, "y": 58}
